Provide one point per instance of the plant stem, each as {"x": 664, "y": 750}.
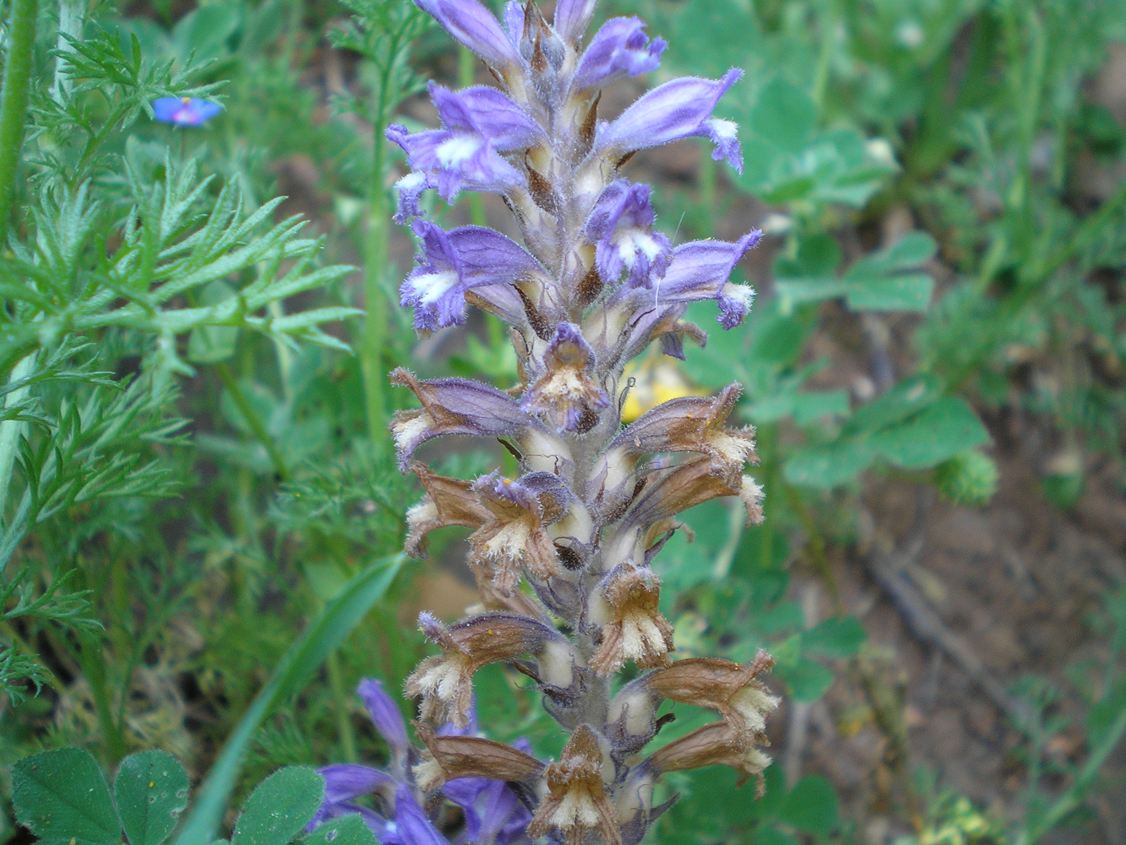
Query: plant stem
{"x": 13, "y": 102}
{"x": 10, "y": 431}
{"x": 375, "y": 267}
{"x": 340, "y": 700}
{"x": 252, "y": 419}
{"x": 1071, "y": 799}
{"x": 92, "y": 659}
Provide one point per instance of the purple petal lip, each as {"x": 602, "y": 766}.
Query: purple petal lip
{"x": 454, "y": 262}
{"x": 473, "y": 25}
{"x": 345, "y": 781}
{"x": 678, "y": 109}
{"x": 414, "y": 827}
{"x": 487, "y": 112}
{"x": 184, "y": 111}
{"x": 385, "y": 714}
{"x": 453, "y": 161}
{"x": 620, "y": 48}
{"x": 621, "y": 226}
{"x": 572, "y": 18}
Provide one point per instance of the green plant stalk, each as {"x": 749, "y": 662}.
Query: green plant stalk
{"x": 13, "y": 101}
{"x": 340, "y": 699}
{"x": 252, "y": 419}
{"x": 830, "y": 17}
{"x": 375, "y": 269}
{"x": 321, "y": 638}
{"x": 10, "y": 432}
{"x": 91, "y": 657}
{"x": 1073, "y": 797}
{"x": 72, "y": 14}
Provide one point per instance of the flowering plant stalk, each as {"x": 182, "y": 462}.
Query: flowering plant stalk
{"x": 562, "y": 553}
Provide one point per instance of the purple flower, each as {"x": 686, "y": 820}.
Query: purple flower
{"x": 385, "y": 716}
{"x": 572, "y": 18}
{"x": 700, "y": 269}
{"x": 567, "y": 394}
{"x": 474, "y": 26}
{"x": 678, "y": 109}
{"x": 457, "y": 261}
{"x": 621, "y": 226}
{"x": 620, "y": 48}
{"x": 184, "y": 111}
{"x": 480, "y": 124}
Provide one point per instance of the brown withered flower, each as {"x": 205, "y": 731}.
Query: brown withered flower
{"x": 731, "y": 689}
{"x": 451, "y": 757}
{"x": 626, "y": 608}
{"x": 447, "y": 502}
{"x": 577, "y": 802}
{"x": 445, "y": 682}
{"x": 717, "y": 744}
{"x": 515, "y": 534}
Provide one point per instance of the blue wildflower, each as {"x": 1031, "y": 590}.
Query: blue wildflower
{"x": 184, "y": 111}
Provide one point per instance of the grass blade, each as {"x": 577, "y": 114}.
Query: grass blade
{"x": 326, "y": 632}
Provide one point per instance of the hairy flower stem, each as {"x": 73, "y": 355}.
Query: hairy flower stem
{"x": 13, "y": 101}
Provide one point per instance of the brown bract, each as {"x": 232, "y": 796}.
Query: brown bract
{"x": 731, "y": 689}
{"x": 627, "y": 608}
{"x": 450, "y": 757}
{"x": 576, "y": 802}
{"x": 717, "y": 744}
{"x": 448, "y": 501}
{"x": 445, "y": 682}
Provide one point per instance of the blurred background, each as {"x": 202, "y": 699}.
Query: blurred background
{"x": 936, "y": 366}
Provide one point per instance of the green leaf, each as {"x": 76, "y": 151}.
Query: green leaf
{"x": 61, "y": 796}
{"x": 807, "y": 679}
{"x": 825, "y": 467}
{"x": 151, "y": 789}
{"x": 280, "y": 807}
{"x": 211, "y": 344}
{"x": 839, "y": 637}
{"x": 322, "y": 637}
{"x": 784, "y": 114}
{"x": 811, "y": 806}
{"x": 349, "y": 830}
{"x": 940, "y": 432}
{"x": 772, "y": 836}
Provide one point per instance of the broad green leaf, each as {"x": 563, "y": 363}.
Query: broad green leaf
{"x": 61, "y": 796}
{"x": 783, "y": 114}
{"x": 807, "y": 679}
{"x": 349, "y": 830}
{"x": 838, "y": 637}
{"x": 803, "y": 407}
{"x": 941, "y": 431}
{"x": 322, "y": 637}
{"x": 280, "y": 807}
{"x": 811, "y": 806}
{"x": 904, "y": 400}
{"x": 884, "y": 281}
{"x": 151, "y": 789}
{"x": 825, "y": 467}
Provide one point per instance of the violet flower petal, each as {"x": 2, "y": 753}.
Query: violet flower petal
{"x": 487, "y": 112}
{"x": 699, "y": 270}
{"x": 572, "y": 18}
{"x": 453, "y": 161}
{"x": 678, "y": 109}
{"x": 184, "y": 111}
{"x": 620, "y": 48}
{"x": 473, "y": 25}
{"x": 414, "y": 828}
{"x": 385, "y": 715}
{"x": 454, "y": 262}
{"x": 345, "y": 781}
{"x": 621, "y": 225}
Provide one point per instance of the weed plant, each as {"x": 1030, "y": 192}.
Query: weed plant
{"x": 201, "y": 515}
